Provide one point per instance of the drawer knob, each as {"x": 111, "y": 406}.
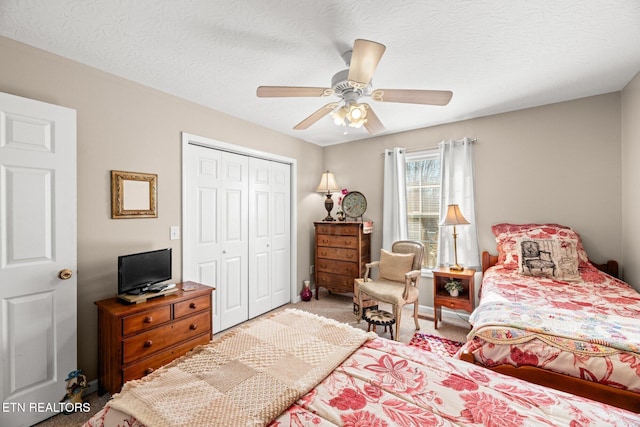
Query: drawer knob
{"x": 192, "y": 305}
{"x": 148, "y": 371}
{"x": 193, "y": 326}
{"x": 148, "y": 319}
{"x": 148, "y": 344}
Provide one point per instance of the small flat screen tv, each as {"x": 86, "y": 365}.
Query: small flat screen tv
{"x": 138, "y": 272}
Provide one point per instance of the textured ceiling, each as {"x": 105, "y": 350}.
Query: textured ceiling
{"x": 495, "y": 56}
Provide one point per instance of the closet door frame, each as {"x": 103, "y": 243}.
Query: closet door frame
{"x": 191, "y": 139}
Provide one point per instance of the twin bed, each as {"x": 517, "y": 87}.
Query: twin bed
{"x": 294, "y": 368}
{"x": 554, "y": 318}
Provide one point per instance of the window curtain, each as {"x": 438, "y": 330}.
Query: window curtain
{"x": 394, "y": 211}
{"x": 456, "y": 163}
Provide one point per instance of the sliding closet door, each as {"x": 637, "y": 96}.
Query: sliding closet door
{"x": 216, "y": 235}
{"x": 234, "y": 298}
{"x": 269, "y": 235}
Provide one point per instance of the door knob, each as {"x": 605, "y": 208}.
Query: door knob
{"x": 65, "y": 274}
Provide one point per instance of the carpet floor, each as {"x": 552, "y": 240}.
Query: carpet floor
{"x": 333, "y": 306}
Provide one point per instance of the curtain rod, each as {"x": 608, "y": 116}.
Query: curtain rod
{"x": 413, "y": 150}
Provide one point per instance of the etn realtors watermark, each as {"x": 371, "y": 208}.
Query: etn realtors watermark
{"x": 66, "y": 407}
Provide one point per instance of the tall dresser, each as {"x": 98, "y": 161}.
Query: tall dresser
{"x": 342, "y": 250}
{"x": 136, "y": 339}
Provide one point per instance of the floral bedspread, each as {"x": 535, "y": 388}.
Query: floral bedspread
{"x": 386, "y": 383}
{"x": 588, "y": 329}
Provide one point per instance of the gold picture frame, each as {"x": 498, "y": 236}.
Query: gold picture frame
{"x": 133, "y": 195}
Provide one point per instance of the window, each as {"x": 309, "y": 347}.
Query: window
{"x": 423, "y": 202}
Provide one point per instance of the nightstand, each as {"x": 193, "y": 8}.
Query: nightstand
{"x": 442, "y": 298}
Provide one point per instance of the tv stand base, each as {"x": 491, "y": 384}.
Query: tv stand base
{"x": 137, "y": 299}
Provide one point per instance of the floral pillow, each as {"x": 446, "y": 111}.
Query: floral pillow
{"x": 552, "y": 258}
{"x": 507, "y": 234}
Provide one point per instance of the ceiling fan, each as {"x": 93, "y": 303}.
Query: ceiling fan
{"x": 352, "y": 84}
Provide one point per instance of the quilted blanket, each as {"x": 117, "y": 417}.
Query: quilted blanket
{"x": 248, "y": 377}
{"x": 598, "y": 310}
{"x": 588, "y": 329}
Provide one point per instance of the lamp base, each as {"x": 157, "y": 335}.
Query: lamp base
{"x": 456, "y": 268}
{"x": 328, "y": 205}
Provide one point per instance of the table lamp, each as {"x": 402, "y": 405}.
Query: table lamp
{"x": 454, "y": 217}
{"x": 327, "y": 185}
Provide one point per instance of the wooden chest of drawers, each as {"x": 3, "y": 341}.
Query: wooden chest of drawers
{"x": 342, "y": 249}
{"x": 134, "y": 340}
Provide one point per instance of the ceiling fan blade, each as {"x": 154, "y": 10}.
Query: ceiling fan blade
{"x": 323, "y": 111}
{"x": 364, "y": 60}
{"x": 292, "y": 91}
{"x": 412, "y": 96}
{"x": 373, "y": 125}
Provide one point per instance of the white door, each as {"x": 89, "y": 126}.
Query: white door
{"x": 37, "y": 241}
{"x": 269, "y": 235}
{"x": 202, "y": 235}
{"x": 260, "y": 257}
{"x": 233, "y": 287}
{"x": 280, "y": 234}
{"x": 216, "y": 235}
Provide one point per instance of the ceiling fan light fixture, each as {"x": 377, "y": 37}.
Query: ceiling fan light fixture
{"x": 339, "y": 116}
{"x": 356, "y": 115}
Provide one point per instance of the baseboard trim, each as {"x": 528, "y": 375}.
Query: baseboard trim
{"x": 92, "y": 387}
{"x": 426, "y": 313}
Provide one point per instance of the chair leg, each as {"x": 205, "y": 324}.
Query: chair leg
{"x": 359, "y": 313}
{"x": 397, "y": 313}
{"x": 415, "y": 315}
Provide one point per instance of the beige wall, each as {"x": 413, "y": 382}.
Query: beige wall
{"x": 630, "y": 180}
{"x": 126, "y": 126}
{"x": 556, "y": 163}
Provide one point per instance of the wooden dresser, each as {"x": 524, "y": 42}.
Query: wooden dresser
{"x": 136, "y": 339}
{"x": 342, "y": 249}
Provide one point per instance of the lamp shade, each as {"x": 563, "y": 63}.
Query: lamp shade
{"x": 454, "y": 216}
{"x": 327, "y": 183}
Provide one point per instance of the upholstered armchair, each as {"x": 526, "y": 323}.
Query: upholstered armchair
{"x": 399, "y": 274}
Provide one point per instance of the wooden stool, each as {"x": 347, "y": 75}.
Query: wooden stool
{"x": 379, "y": 318}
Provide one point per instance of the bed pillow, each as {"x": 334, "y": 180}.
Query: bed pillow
{"x": 552, "y": 258}
{"x": 393, "y": 266}
{"x": 506, "y": 235}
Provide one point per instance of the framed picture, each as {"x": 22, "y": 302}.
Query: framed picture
{"x": 133, "y": 195}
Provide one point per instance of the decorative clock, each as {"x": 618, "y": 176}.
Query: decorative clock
{"x": 354, "y": 204}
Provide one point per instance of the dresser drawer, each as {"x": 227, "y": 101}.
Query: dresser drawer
{"x": 339, "y": 230}
{"x": 185, "y": 308}
{"x": 150, "y": 364}
{"x": 338, "y": 253}
{"x": 145, "y": 320}
{"x": 337, "y": 267}
{"x": 348, "y": 242}
{"x": 162, "y": 337}
{"x": 335, "y": 282}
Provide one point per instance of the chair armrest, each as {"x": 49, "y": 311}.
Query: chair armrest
{"x": 369, "y": 266}
{"x": 413, "y": 274}
{"x": 412, "y": 278}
